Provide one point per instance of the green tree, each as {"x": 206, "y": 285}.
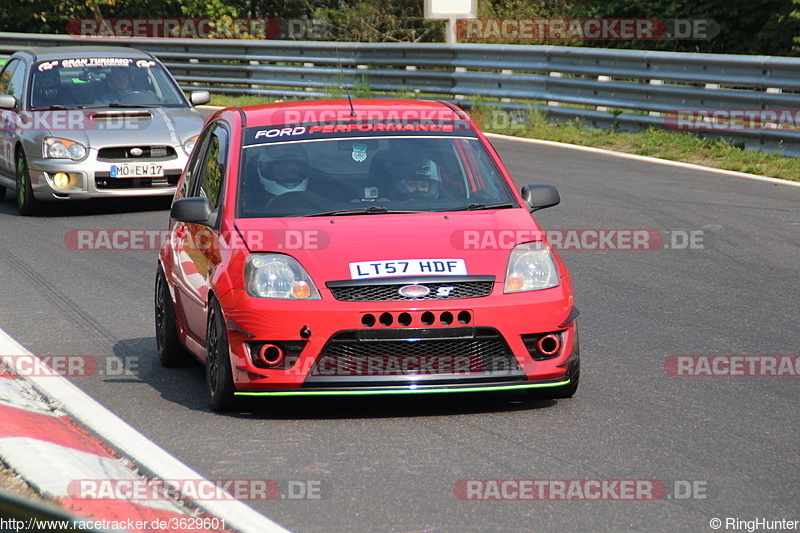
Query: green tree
{"x": 745, "y": 26}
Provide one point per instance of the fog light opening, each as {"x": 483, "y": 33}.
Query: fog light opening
{"x": 549, "y": 345}
{"x": 271, "y": 355}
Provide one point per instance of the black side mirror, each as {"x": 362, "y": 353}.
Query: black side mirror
{"x": 194, "y": 210}
{"x": 540, "y": 196}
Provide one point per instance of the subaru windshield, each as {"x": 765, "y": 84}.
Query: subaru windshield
{"x": 115, "y": 82}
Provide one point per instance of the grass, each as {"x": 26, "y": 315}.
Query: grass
{"x": 663, "y": 144}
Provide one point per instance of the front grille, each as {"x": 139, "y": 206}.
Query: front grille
{"x": 382, "y": 290}
{"x": 424, "y": 351}
{"x": 124, "y": 153}
{"x": 103, "y": 180}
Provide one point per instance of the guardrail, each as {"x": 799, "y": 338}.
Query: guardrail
{"x": 624, "y": 89}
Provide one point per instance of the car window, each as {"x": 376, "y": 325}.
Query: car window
{"x": 188, "y": 186}
{"x": 212, "y": 171}
{"x": 12, "y": 79}
{"x": 402, "y": 173}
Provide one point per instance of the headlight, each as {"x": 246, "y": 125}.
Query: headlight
{"x": 278, "y": 276}
{"x": 56, "y": 148}
{"x": 188, "y": 146}
{"x": 531, "y": 267}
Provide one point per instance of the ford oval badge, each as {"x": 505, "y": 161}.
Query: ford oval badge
{"x": 414, "y": 291}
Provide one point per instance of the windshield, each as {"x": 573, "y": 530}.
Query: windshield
{"x": 369, "y": 175}
{"x": 113, "y": 82}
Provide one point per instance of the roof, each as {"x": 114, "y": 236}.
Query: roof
{"x": 328, "y": 111}
{"x": 68, "y": 52}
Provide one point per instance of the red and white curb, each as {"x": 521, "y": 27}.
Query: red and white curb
{"x": 54, "y": 445}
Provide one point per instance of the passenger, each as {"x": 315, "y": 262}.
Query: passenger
{"x": 418, "y": 179}
{"x": 283, "y": 169}
{"x": 48, "y": 91}
{"x": 278, "y": 170}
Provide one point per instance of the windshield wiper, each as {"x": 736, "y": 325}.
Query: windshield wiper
{"x": 477, "y": 207}
{"x": 373, "y": 210}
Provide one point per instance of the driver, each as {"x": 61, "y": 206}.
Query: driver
{"x": 416, "y": 179}
{"x": 120, "y": 84}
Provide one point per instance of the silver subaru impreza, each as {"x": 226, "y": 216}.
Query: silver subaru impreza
{"x": 86, "y": 121}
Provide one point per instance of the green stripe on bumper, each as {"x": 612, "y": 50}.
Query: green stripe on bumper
{"x": 369, "y": 392}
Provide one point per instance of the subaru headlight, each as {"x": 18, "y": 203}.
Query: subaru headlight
{"x": 278, "y": 276}
{"x": 57, "y": 148}
{"x": 531, "y": 267}
{"x": 188, "y": 145}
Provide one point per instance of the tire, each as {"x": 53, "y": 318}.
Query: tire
{"x": 219, "y": 376}
{"x": 564, "y": 391}
{"x": 171, "y": 352}
{"x": 27, "y": 204}
{"x": 2, "y": 193}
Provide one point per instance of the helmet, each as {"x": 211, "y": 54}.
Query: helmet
{"x": 283, "y": 169}
{"x": 47, "y": 83}
{"x": 120, "y": 79}
{"x": 417, "y": 178}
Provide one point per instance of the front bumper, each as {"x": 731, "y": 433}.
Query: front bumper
{"x": 91, "y": 179}
{"x": 319, "y": 325}
{"x": 376, "y": 390}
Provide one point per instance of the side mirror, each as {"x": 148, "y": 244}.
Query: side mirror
{"x": 194, "y": 210}
{"x": 540, "y": 196}
{"x": 7, "y": 101}
{"x": 199, "y": 97}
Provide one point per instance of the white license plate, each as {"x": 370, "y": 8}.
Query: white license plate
{"x": 139, "y": 170}
{"x": 408, "y": 267}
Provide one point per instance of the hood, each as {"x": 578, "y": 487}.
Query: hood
{"x": 326, "y": 246}
{"x": 108, "y": 126}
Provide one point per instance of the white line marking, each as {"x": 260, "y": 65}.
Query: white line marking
{"x": 147, "y": 454}
{"x": 645, "y": 158}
